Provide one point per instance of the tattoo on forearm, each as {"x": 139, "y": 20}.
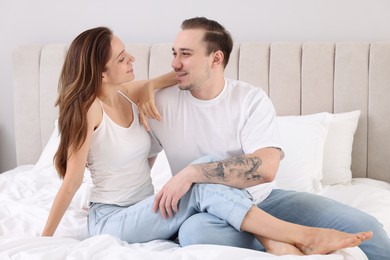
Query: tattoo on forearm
{"x": 240, "y": 167}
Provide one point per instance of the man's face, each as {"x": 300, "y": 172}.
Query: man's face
{"x": 190, "y": 60}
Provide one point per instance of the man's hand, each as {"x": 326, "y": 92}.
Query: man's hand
{"x": 168, "y": 198}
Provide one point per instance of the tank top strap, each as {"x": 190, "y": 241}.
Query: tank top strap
{"x": 101, "y": 105}
{"x": 131, "y": 101}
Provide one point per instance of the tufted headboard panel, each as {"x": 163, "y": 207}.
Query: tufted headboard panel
{"x": 300, "y": 78}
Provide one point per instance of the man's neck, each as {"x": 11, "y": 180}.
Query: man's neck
{"x": 210, "y": 90}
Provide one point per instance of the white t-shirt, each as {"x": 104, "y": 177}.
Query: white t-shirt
{"x": 240, "y": 120}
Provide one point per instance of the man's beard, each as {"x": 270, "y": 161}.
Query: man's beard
{"x": 185, "y": 87}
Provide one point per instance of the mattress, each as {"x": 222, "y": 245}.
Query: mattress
{"x": 26, "y": 195}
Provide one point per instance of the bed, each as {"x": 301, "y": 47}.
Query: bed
{"x": 331, "y": 102}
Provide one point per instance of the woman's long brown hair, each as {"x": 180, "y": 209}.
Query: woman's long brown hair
{"x": 79, "y": 85}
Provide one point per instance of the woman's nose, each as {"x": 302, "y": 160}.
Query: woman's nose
{"x": 131, "y": 58}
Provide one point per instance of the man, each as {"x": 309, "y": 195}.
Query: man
{"x": 235, "y": 122}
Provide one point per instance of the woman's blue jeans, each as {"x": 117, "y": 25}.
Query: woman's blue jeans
{"x": 138, "y": 223}
{"x": 296, "y": 207}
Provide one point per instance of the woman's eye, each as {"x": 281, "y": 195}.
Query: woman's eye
{"x": 121, "y": 59}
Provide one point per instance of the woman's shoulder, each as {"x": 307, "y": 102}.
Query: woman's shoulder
{"x": 95, "y": 113}
{"x": 132, "y": 90}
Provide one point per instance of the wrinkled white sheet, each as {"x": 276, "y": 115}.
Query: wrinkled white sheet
{"x": 26, "y": 197}
{"x": 108, "y": 247}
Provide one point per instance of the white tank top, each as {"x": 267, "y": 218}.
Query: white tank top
{"x": 118, "y": 161}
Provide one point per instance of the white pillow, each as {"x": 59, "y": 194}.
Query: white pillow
{"x": 338, "y": 148}
{"x": 46, "y": 158}
{"x": 47, "y": 155}
{"x": 303, "y": 140}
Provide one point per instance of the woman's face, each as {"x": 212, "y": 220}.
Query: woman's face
{"x": 120, "y": 66}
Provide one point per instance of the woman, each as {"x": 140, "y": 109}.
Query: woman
{"x": 100, "y": 128}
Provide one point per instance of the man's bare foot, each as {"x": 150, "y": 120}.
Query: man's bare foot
{"x": 278, "y": 248}
{"x": 324, "y": 241}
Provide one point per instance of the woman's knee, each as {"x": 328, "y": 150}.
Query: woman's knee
{"x": 204, "y": 228}
{"x": 201, "y": 229}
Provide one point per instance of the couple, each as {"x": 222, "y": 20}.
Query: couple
{"x": 227, "y": 201}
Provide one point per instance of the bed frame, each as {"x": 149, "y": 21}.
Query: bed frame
{"x": 300, "y": 78}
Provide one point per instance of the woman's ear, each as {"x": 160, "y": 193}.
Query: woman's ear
{"x": 104, "y": 77}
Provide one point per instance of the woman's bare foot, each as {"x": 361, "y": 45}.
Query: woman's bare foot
{"x": 278, "y": 248}
{"x": 324, "y": 241}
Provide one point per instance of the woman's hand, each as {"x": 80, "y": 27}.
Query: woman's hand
{"x": 146, "y": 99}
{"x": 147, "y": 106}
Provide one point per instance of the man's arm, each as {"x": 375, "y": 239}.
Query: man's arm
{"x": 239, "y": 172}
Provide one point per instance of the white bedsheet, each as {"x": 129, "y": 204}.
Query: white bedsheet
{"x": 26, "y": 197}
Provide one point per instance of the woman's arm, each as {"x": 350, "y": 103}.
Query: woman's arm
{"x": 142, "y": 93}
{"x": 69, "y": 186}
{"x": 142, "y": 90}
{"x": 151, "y": 161}
{"x": 72, "y": 180}
{"x": 146, "y": 95}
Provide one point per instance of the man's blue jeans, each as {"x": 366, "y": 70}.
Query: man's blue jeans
{"x": 296, "y": 207}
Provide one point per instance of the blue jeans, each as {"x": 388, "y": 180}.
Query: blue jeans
{"x": 296, "y": 207}
{"x": 138, "y": 223}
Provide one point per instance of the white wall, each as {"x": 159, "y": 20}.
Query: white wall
{"x": 51, "y": 21}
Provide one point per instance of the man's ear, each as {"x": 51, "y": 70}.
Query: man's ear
{"x": 218, "y": 57}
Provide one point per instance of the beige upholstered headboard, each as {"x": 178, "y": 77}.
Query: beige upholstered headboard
{"x": 300, "y": 78}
